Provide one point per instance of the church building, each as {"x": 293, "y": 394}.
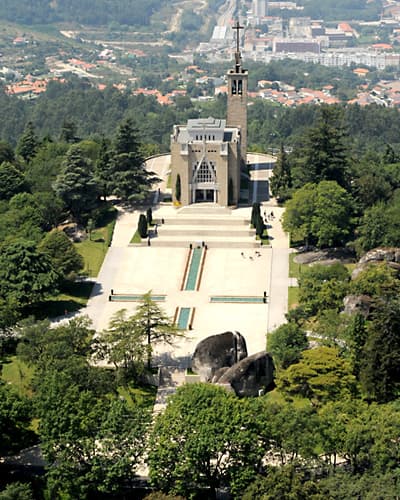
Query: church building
{"x": 207, "y": 154}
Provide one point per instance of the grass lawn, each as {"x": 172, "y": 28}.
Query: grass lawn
{"x": 293, "y": 297}
{"x": 139, "y": 394}
{"x": 294, "y": 268}
{"x": 277, "y": 397}
{"x": 74, "y": 297}
{"x": 18, "y": 374}
{"x": 136, "y": 238}
{"x": 94, "y": 249}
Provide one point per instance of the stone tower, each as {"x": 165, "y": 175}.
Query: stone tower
{"x": 237, "y": 96}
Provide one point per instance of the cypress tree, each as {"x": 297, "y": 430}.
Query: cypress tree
{"x": 178, "y": 188}
{"x": 142, "y": 226}
{"x": 255, "y": 213}
{"x": 149, "y": 215}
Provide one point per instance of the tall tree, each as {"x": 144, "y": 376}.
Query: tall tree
{"x": 319, "y": 214}
{"x": 76, "y": 185}
{"x": 281, "y": 181}
{"x": 131, "y": 180}
{"x": 178, "y": 188}
{"x": 104, "y": 169}
{"x": 203, "y": 440}
{"x": 12, "y": 181}
{"x": 380, "y": 369}
{"x": 154, "y": 325}
{"x": 122, "y": 344}
{"x": 63, "y": 255}
{"x": 286, "y": 344}
{"x": 28, "y": 143}
{"x": 15, "y": 419}
{"x": 26, "y": 275}
{"x": 324, "y": 154}
{"x": 320, "y": 375}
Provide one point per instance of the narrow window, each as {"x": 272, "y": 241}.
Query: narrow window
{"x": 234, "y": 87}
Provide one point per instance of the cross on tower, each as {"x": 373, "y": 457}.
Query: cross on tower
{"x": 237, "y": 27}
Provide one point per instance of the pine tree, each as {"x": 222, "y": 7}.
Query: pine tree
{"x": 281, "y": 182}
{"x": 28, "y": 143}
{"x": 324, "y": 154}
{"x": 131, "y": 181}
{"x": 76, "y": 185}
{"x": 104, "y": 170}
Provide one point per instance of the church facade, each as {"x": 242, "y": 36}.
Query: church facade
{"x": 207, "y": 154}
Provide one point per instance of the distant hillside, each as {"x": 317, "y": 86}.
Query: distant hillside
{"x": 342, "y": 9}
{"x": 89, "y": 12}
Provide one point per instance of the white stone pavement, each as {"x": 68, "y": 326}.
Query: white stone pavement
{"x": 128, "y": 269}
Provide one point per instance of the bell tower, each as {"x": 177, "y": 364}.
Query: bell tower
{"x": 237, "y": 96}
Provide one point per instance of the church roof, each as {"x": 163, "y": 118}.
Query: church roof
{"x": 206, "y": 123}
{"x": 205, "y": 129}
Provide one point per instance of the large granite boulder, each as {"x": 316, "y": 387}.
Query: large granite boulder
{"x": 390, "y": 255}
{"x": 357, "y": 304}
{"x": 250, "y": 376}
{"x": 216, "y": 352}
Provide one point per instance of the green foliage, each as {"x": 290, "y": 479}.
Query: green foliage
{"x": 203, "y": 440}
{"x": 15, "y": 418}
{"x": 319, "y": 214}
{"x": 324, "y": 155}
{"x": 76, "y": 186}
{"x": 178, "y": 188}
{"x": 255, "y": 213}
{"x": 131, "y": 181}
{"x": 97, "y": 13}
{"x": 17, "y": 491}
{"x": 28, "y": 143}
{"x": 282, "y": 482}
{"x": 322, "y": 287}
{"x": 320, "y": 375}
{"x": 149, "y": 216}
{"x": 12, "y": 181}
{"x": 154, "y": 325}
{"x": 26, "y": 274}
{"x": 142, "y": 226}
{"x": 281, "y": 181}
{"x": 122, "y": 344}
{"x": 379, "y": 225}
{"x": 63, "y": 255}
{"x": 379, "y": 373}
{"x": 286, "y": 344}
{"x": 376, "y": 280}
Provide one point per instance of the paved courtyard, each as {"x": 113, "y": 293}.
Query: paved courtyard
{"x": 227, "y": 271}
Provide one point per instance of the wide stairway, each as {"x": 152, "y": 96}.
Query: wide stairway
{"x": 205, "y": 224}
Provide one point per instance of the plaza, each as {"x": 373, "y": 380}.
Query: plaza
{"x": 234, "y": 266}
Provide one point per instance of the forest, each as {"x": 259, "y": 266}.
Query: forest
{"x": 89, "y": 12}
{"x": 330, "y": 427}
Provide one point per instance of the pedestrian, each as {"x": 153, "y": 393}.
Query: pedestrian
{"x": 242, "y": 254}
{"x": 162, "y": 221}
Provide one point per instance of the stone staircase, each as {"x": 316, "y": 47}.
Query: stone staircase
{"x": 213, "y": 225}
{"x": 170, "y": 379}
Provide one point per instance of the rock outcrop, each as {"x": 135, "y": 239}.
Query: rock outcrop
{"x": 250, "y": 376}
{"x": 357, "y": 304}
{"x": 391, "y": 255}
{"x": 218, "y": 351}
